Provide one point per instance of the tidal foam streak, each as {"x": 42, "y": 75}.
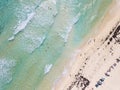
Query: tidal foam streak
{"x": 68, "y": 28}
{"x": 47, "y": 68}
{"x": 5, "y": 71}
{"x": 23, "y": 24}
{"x": 31, "y": 43}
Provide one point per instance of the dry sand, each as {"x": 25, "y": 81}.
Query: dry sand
{"x": 97, "y": 62}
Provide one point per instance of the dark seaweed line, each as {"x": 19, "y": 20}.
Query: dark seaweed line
{"x": 113, "y": 34}
{"x": 81, "y": 81}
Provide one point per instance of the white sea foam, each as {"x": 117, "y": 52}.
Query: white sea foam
{"x": 68, "y": 28}
{"x": 92, "y": 18}
{"x": 88, "y": 5}
{"x": 64, "y": 74}
{"x": 73, "y": 57}
{"x": 23, "y": 24}
{"x": 31, "y": 43}
{"x": 11, "y": 38}
{"x": 66, "y": 34}
{"x": 5, "y": 71}
{"x": 53, "y": 1}
{"x": 47, "y": 68}
{"x": 45, "y": 14}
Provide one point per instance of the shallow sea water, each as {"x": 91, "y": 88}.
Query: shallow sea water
{"x": 34, "y": 34}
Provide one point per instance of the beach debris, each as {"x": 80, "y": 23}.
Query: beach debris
{"x": 107, "y": 73}
{"x": 80, "y": 82}
{"x": 100, "y": 82}
{"x": 112, "y": 67}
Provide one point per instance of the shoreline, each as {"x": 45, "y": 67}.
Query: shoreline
{"x": 88, "y": 48}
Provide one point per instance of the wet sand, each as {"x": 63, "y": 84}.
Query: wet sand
{"x": 97, "y": 63}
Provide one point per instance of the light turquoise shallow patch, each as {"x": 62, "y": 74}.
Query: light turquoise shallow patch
{"x": 43, "y": 30}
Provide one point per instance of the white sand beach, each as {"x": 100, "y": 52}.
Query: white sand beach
{"x": 97, "y": 64}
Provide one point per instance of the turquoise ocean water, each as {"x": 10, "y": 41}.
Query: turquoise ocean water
{"x": 35, "y": 33}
